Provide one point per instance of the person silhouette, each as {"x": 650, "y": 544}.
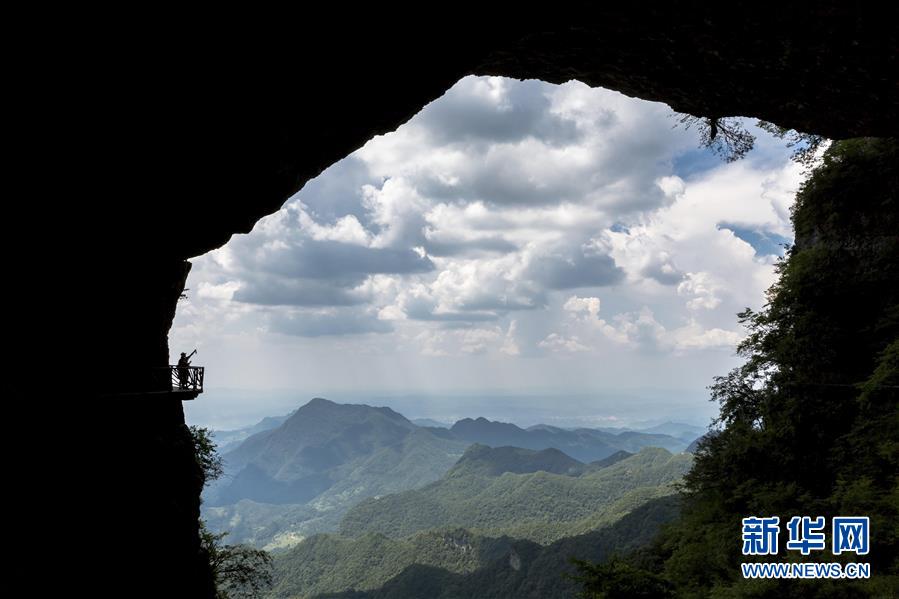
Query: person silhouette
{"x": 183, "y": 370}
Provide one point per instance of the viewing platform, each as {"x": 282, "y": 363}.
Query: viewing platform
{"x": 176, "y": 382}
{"x": 183, "y": 380}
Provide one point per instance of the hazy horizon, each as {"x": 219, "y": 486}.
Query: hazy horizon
{"x": 229, "y": 409}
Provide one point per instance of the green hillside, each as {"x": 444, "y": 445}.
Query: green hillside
{"x": 539, "y": 506}
{"x": 299, "y": 479}
{"x": 480, "y": 460}
{"x": 455, "y": 564}
{"x": 328, "y": 563}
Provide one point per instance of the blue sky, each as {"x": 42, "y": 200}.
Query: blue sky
{"x": 516, "y": 239}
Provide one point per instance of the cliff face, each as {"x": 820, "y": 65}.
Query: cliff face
{"x": 205, "y": 129}
{"x": 123, "y": 508}
{"x": 139, "y": 504}
{"x": 170, "y": 135}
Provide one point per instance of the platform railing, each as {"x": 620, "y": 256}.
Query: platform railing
{"x": 179, "y": 378}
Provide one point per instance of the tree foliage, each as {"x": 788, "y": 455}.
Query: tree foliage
{"x": 805, "y": 146}
{"x": 809, "y": 423}
{"x": 617, "y": 579}
{"x": 728, "y": 138}
{"x": 239, "y": 570}
{"x": 206, "y": 454}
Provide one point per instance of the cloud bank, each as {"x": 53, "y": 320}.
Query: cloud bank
{"x": 523, "y": 224}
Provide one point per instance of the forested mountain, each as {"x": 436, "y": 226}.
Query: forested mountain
{"x": 455, "y": 563}
{"x": 227, "y": 440}
{"x": 492, "y": 491}
{"x": 584, "y": 444}
{"x": 287, "y": 482}
{"x": 680, "y": 430}
{"x": 329, "y": 563}
{"x": 298, "y": 479}
{"x": 480, "y": 460}
{"x": 320, "y": 436}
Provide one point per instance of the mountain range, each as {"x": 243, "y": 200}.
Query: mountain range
{"x": 541, "y": 496}
{"x": 332, "y": 452}
{"x": 226, "y": 440}
{"x": 583, "y": 444}
{"x": 297, "y": 475}
{"x": 286, "y": 483}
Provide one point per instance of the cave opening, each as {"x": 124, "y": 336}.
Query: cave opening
{"x": 227, "y": 147}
